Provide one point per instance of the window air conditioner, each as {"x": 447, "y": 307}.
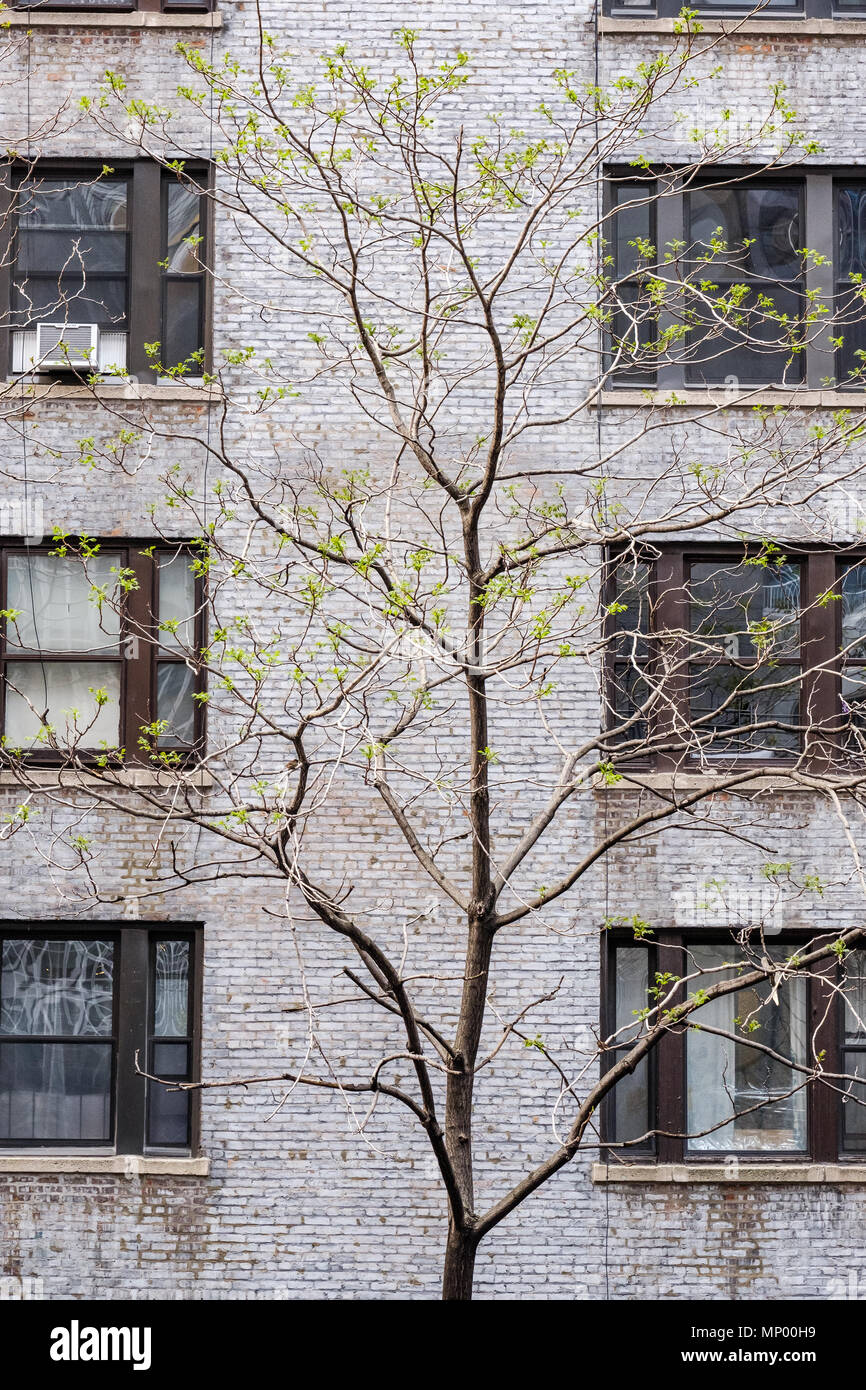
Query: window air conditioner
{"x": 65, "y": 346}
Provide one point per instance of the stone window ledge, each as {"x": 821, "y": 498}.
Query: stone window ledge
{"x": 25, "y": 392}
{"x": 741, "y": 27}
{"x": 692, "y": 397}
{"x": 62, "y": 779}
{"x": 125, "y": 1165}
{"x": 130, "y": 20}
{"x": 742, "y": 1172}
{"x": 697, "y": 781}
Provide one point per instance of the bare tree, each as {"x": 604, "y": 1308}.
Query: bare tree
{"x": 458, "y": 601}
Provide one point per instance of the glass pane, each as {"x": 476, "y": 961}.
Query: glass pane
{"x": 632, "y": 220}
{"x": 171, "y": 1060}
{"x": 63, "y": 205}
{"x": 727, "y": 1078}
{"x": 177, "y": 601}
{"x": 631, "y": 1095}
{"x": 852, "y": 231}
{"x": 631, "y": 692}
{"x": 65, "y": 689}
{"x": 738, "y": 698}
{"x": 632, "y": 597}
{"x": 853, "y": 587}
{"x": 175, "y": 684}
{"x": 56, "y": 987}
{"x": 767, "y": 217}
{"x": 181, "y": 335}
{"x": 634, "y": 317}
{"x": 57, "y": 611}
{"x": 753, "y": 609}
{"x": 854, "y": 1102}
{"x": 168, "y": 1119}
{"x": 183, "y": 213}
{"x": 70, "y": 299}
{"x": 754, "y": 347}
{"x": 171, "y": 989}
{"x": 854, "y": 990}
{"x": 49, "y": 252}
{"x": 59, "y": 1091}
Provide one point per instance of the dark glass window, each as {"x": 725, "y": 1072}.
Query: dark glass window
{"x": 630, "y": 657}
{"x": 775, "y": 9}
{"x": 745, "y": 650}
{"x": 171, "y": 1042}
{"x": 736, "y": 1079}
{"x": 100, "y": 653}
{"x": 73, "y": 1007}
{"x": 165, "y": 6}
{"x": 631, "y": 248}
{"x": 852, "y": 588}
{"x": 183, "y": 274}
{"x": 851, "y": 268}
{"x": 757, "y": 270}
{"x": 105, "y": 265}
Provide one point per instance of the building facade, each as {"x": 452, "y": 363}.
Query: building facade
{"x": 272, "y": 1191}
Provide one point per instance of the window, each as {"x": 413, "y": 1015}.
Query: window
{"x": 108, "y": 263}
{"x": 738, "y": 1081}
{"x": 733, "y": 306}
{"x": 164, "y": 6}
{"x": 77, "y": 1006}
{"x": 733, "y": 656}
{"x": 762, "y": 9}
{"x": 100, "y": 653}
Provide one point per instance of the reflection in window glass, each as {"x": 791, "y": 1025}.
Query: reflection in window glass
{"x": 727, "y": 1078}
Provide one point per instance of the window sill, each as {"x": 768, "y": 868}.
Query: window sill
{"x": 740, "y": 26}
{"x": 761, "y": 780}
{"x": 125, "y": 1165}
{"x": 28, "y": 391}
{"x": 723, "y": 398}
{"x": 135, "y": 20}
{"x": 66, "y": 778}
{"x": 740, "y": 1173}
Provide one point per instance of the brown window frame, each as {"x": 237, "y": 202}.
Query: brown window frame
{"x": 139, "y": 657}
{"x": 146, "y": 276}
{"x": 134, "y": 993}
{"x": 818, "y": 654}
{"x": 667, "y": 1064}
{"x": 118, "y": 6}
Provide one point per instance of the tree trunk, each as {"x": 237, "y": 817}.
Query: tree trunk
{"x": 459, "y": 1268}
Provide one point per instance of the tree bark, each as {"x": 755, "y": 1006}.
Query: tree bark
{"x": 459, "y": 1268}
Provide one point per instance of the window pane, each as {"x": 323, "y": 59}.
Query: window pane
{"x": 182, "y": 328}
{"x": 183, "y": 213}
{"x": 56, "y": 987}
{"x": 177, "y": 601}
{"x": 767, "y": 217}
{"x": 738, "y": 698}
{"x": 759, "y": 228}
{"x": 726, "y": 1078}
{"x": 168, "y": 1119}
{"x": 634, "y": 318}
{"x": 631, "y": 1095}
{"x": 70, "y": 299}
{"x": 61, "y": 688}
{"x": 171, "y": 989}
{"x": 59, "y": 1091}
{"x": 632, "y": 596}
{"x": 73, "y": 207}
{"x": 753, "y": 609}
{"x": 853, "y": 587}
{"x": 175, "y": 684}
{"x": 58, "y": 614}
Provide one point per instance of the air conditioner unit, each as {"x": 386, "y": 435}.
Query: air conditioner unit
{"x": 65, "y": 346}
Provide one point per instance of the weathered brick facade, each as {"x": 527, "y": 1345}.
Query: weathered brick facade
{"x": 296, "y": 1204}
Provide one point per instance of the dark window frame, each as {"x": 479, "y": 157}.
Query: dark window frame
{"x": 146, "y": 240}
{"x": 118, "y": 6}
{"x": 138, "y": 658}
{"x": 670, "y": 9}
{"x": 667, "y": 1063}
{"x": 820, "y": 187}
{"x": 133, "y": 994}
{"x": 818, "y": 655}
